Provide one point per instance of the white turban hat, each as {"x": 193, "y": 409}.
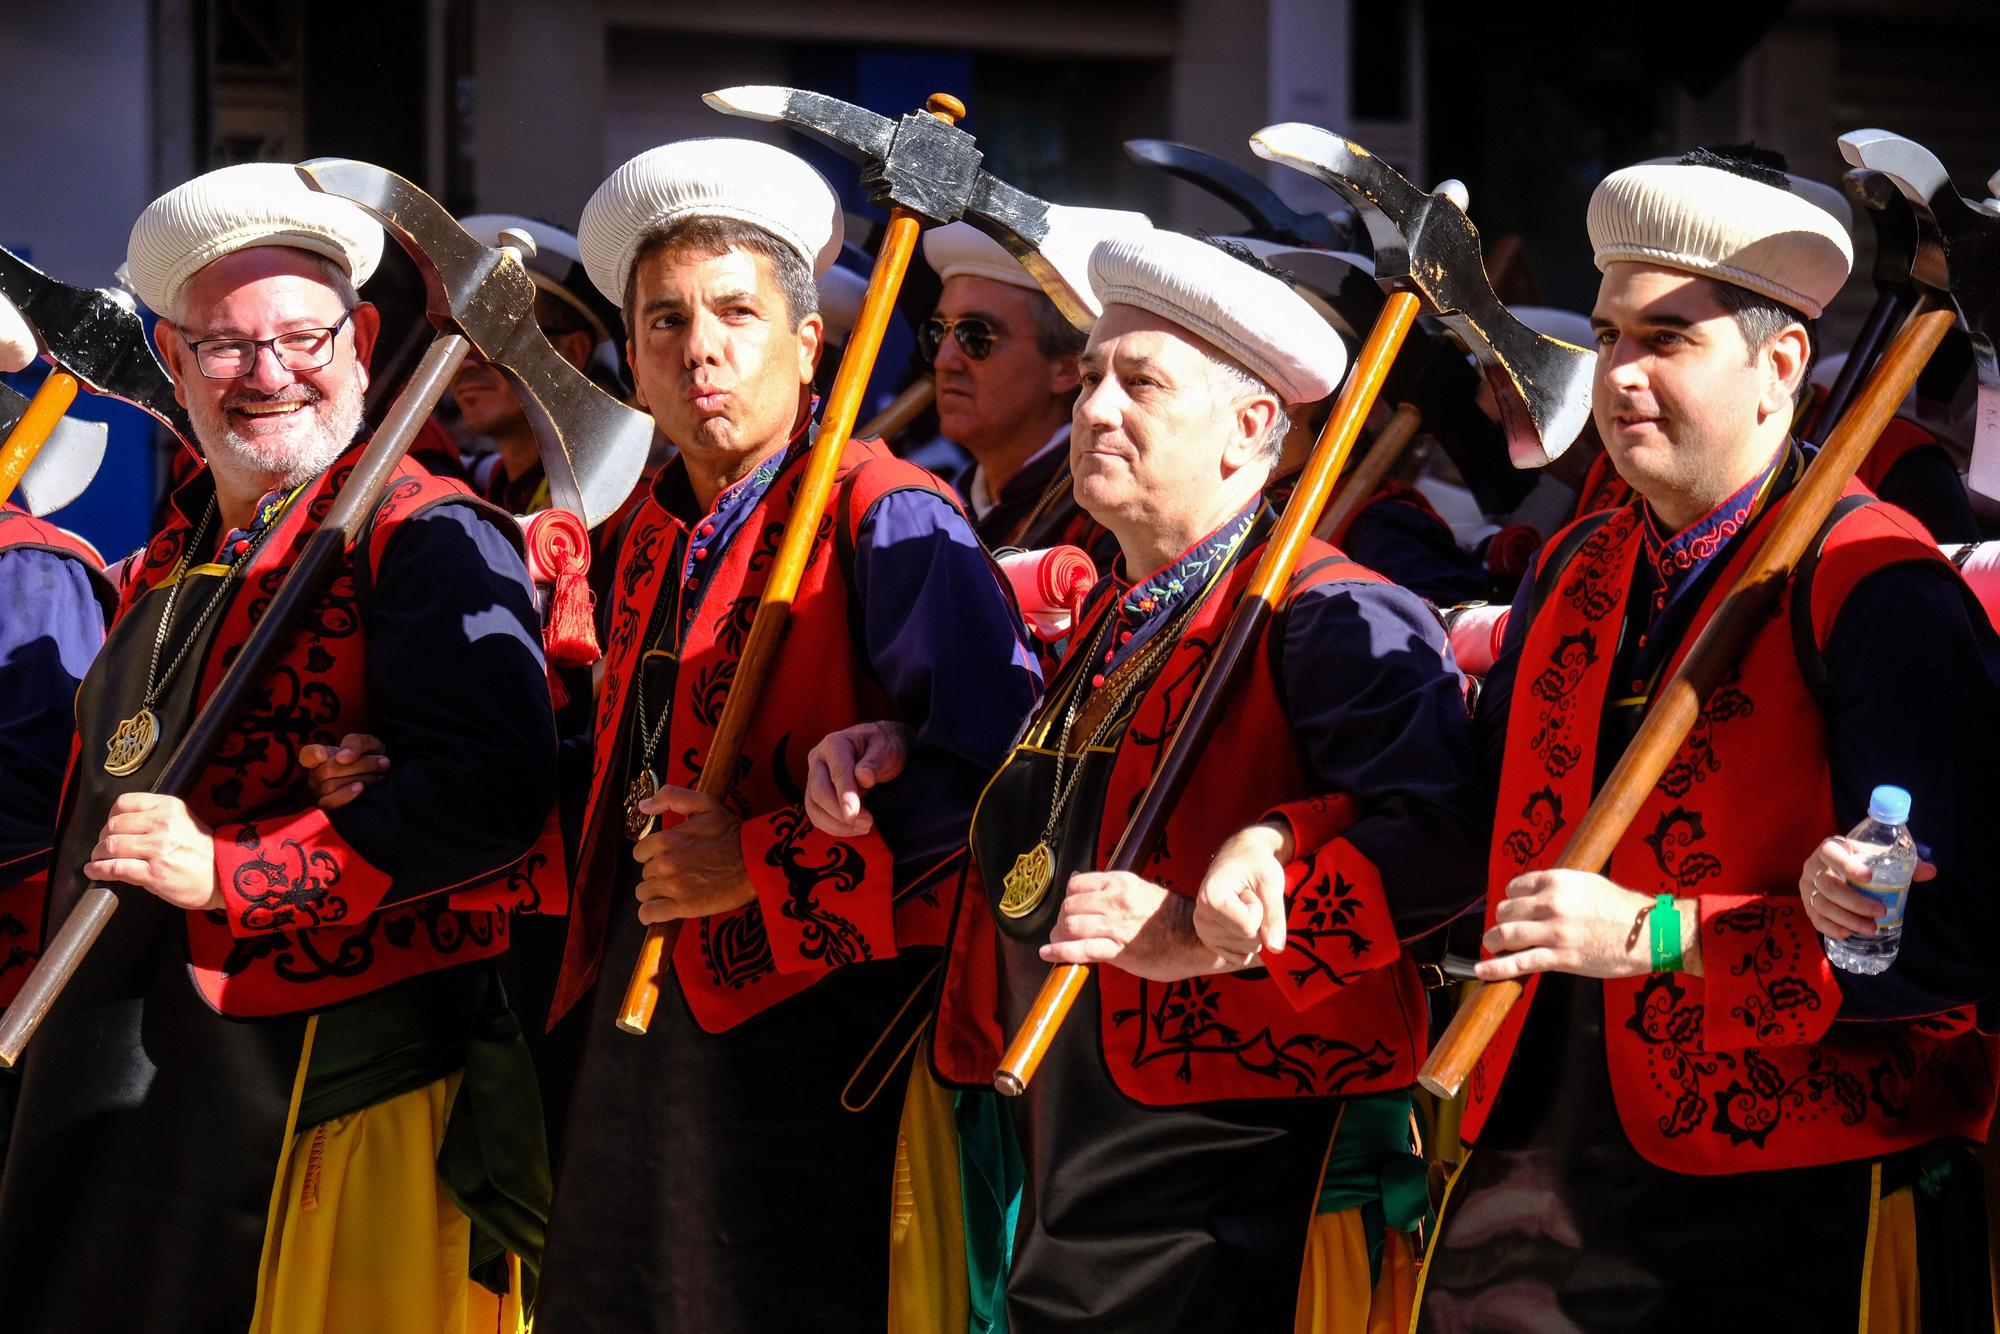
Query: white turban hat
{"x": 1251, "y": 316}
{"x": 738, "y": 179}
{"x": 236, "y": 208}
{"x": 960, "y": 248}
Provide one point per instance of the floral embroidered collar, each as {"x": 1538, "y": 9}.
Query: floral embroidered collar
{"x": 1674, "y": 558}
{"x": 1164, "y": 591}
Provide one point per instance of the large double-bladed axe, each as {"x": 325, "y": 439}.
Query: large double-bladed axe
{"x": 1895, "y": 222}
{"x": 1957, "y": 272}
{"x": 95, "y": 340}
{"x": 593, "y": 449}
{"x": 927, "y": 170}
{"x": 1427, "y": 257}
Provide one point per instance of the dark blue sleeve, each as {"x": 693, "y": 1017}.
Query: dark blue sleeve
{"x": 1914, "y": 700}
{"x": 942, "y": 641}
{"x": 459, "y": 696}
{"x": 51, "y": 626}
{"x": 1379, "y": 715}
{"x": 1399, "y": 541}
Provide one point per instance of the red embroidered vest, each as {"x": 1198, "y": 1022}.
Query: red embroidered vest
{"x": 1228, "y": 1036}
{"x": 821, "y": 682}
{"x": 302, "y": 931}
{"x": 1742, "y": 1069}
{"x": 22, "y": 903}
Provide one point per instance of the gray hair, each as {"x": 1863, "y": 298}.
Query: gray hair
{"x": 1247, "y": 385}
{"x": 714, "y": 236}
{"x": 331, "y": 274}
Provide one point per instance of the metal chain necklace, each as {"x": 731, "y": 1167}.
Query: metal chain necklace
{"x": 1027, "y": 883}
{"x": 133, "y": 740}
{"x": 647, "y": 781}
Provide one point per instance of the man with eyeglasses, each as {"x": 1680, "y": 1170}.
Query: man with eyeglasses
{"x": 275, "y": 1088}
{"x": 1005, "y": 364}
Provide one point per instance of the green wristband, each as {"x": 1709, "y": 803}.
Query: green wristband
{"x": 1665, "y": 920}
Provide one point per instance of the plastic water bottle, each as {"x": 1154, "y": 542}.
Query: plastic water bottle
{"x": 1884, "y": 840}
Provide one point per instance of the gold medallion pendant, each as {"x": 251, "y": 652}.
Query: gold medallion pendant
{"x": 132, "y": 743}
{"x": 636, "y": 820}
{"x": 1028, "y": 883}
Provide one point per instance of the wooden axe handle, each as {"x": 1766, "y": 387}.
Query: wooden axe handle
{"x": 903, "y": 409}
{"x": 38, "y": 422}
{"x": 1232, "y": 655}
{"x": 311, "y": 572}
{"x": 1721, "y": 643}
{"x": 774, "y": 608}
{"x": 1359, "y": 487}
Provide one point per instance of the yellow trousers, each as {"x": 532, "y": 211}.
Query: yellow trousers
{"x": 364, "y": 1238}
{"x": 927, "y": 1280}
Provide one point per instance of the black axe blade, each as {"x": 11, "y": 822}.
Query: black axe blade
{"x": 96, "y": 335}
{"x": 1425, "y": 244}
{"x": 593, "y": 447}
{"x": 66, "y": 463}
{"x": 1895, "y": 224}
{"x": 919, "y": 163}
{"x": 1958, "y": 259}
{"x": 1270, "y": 217}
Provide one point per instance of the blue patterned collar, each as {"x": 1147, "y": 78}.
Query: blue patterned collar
{"x": 1675, "y": 559}
{"x": 1164, "y": 591}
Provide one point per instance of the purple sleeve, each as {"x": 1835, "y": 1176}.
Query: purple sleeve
{"x": 943, "y": 642}
{"x": 51, "y": 626}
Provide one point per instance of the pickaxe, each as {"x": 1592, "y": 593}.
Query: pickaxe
{"x": 593, "y": 448}
{"x": 1895, "y": 222}
{"x": 928, "y": 170}
{"x": 1957, "y": 271}
{"x": 1427, "y": 257}
{"x": 95, "y": 340}
{"x": 1270, "y": 217}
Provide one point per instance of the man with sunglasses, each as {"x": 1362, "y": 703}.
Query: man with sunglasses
{"x": 258, "y": 1091}
{"x": 1005, "y": 363}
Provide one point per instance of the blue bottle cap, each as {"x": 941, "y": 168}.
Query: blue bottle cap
{"x": 1889, "y": 805}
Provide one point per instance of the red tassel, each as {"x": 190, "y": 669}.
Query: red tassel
{"x": 559, "y": 556}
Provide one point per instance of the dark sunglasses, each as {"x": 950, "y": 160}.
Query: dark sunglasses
{"x": 975, "y": 337}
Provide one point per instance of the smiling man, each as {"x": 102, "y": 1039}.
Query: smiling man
{"x": 1692, "y": 1120}
{"x": 243, "y": 1090}
{"x": 726, "y": 1171}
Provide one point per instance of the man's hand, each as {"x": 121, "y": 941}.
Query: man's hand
{"x": 337, "y": 774}
{"x": 1240, "y": 908}
{"x": 843, "y": 767}
{"x": 1837, "y": 909}
{"x": 152, "y": 843}
{"x": 1115, "y": 917}
{"x": 1576, "y": 922}
{"x": 694, "y": 869}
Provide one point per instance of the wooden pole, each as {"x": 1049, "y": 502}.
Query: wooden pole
{"x": 1721, "y": 643}
{"x": 903, "y": 409}
{"x": 32, "y": 431}
{"x": 1232, "y": 655}
{"x": 1358, "y": 488}
{"x": 843, "y": 405}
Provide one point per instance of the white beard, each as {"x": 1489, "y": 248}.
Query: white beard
{"x": 302, "y": 454}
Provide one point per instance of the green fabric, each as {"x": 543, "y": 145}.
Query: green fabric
{"x": 990, "y": 1176}
{"x": 401, "y": 1038}
{"x": 1373, "y": 1167}
{"x": 495, "y": 1159}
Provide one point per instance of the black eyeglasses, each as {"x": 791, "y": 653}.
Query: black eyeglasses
{"x": 299, "y": 350}
{"x": 975, "y": 337}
